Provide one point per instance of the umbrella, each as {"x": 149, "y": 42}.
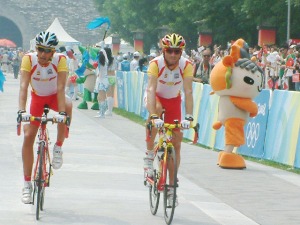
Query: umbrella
{"x": 98, "y": 22}
{"x": 7, "y": 43}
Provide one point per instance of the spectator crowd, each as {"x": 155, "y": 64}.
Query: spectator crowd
{"x": 281, "y": 65}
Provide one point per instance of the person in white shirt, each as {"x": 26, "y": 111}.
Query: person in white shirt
{"x": 104, "y": 82}
{"x": 45, "y": 72}
{"x": 135, "y": 62}
{"x": 71, "y": 80}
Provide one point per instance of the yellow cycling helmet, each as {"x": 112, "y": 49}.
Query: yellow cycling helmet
{"x": 173, "y": 41}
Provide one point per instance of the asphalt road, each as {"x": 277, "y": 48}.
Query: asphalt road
{"x": 101, "y": 180}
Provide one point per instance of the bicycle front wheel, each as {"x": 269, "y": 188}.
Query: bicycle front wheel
{"x": 170, "y": 203}
{"x": 39, "y": 180}
{"x": 47, "y": 173}
{"x": 154, "y": 194}
{"x": 42, "y": 198}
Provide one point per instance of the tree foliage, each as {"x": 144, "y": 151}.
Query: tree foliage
{"x": 226, "y": 19}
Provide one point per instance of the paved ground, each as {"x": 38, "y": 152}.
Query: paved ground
{"x": 101, "y": 181}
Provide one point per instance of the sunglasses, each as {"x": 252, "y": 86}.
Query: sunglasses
{"x": 175, "y": 51}
{"x": 206, "y": 55}
{"x": 46, "y": 50}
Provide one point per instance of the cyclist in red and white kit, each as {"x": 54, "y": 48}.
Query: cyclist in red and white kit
{"x": 46, "y": 72}
{"x": 168, "y": 74}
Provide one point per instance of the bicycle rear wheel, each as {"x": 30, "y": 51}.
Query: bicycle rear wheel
{"x": 39, "y": 180}
{"x": 169, "y": 207}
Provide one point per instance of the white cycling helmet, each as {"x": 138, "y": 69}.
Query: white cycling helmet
{"x": 136, "y": 54}
{"x": 46, "y": 39}
{"x": 152, "y": 55}
{"x": 119, "y": 58}
{"x": 125, "y": 56}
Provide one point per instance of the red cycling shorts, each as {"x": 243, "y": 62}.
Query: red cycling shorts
{"x": 172, "y": 108}
{"x": 37, "y": 105}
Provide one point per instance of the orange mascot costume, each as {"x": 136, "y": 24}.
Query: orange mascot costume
{"x": 237, "y": 80}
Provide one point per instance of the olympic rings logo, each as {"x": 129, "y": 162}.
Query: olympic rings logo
{"x": 261, "y": 109}
{"x": 252, "y": 134}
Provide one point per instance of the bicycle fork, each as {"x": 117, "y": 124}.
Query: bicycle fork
{"x": 45, "y": 176}
{"x": 36, "y": 171}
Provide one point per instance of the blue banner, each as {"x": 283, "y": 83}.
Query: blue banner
{"x": 144, "y": 112}
{"x": 206, "y": 117}
{"x": 139, "y": 93}
{"x": 283, "y": 127}
{"x": 129, "y": 91}
{"x": 135, "y": 91}
{"x": 297, "y": 159}
{"x": 120, "y": 90}
{"x": 255, "y": 129}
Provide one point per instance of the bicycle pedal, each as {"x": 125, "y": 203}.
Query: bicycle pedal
{"x": 147, "y": 184}
{"x": 30, "y": 203}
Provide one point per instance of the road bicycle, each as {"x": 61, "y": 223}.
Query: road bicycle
{"x": 43, "y": 168}
{"x": 164, "y": 158}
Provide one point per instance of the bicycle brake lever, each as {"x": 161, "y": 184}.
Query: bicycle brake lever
{"x": 149, "y": 131}
{"x": 196, "y": 129}
{"x": 19, "y": 118}
{"x": 68, "y": 121}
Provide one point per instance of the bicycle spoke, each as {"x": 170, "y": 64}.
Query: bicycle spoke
{"x": 42, "y": 198}
{"x": 169, "y": 207}
{"x": 154, "y": 195}
{"x": 39, "y": 180}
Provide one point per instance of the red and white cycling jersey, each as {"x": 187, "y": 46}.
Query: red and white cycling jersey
{"x": 170, "y": 82}
{"x": 44, "y": 78}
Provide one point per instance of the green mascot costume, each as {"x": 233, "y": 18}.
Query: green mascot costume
{"x": 87, "y": 76}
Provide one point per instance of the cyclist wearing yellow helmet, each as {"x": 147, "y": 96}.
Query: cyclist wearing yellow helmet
{"x": 168, "y": 74}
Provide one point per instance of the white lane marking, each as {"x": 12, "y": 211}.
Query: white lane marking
{"x": 101, "y": 169}
{"x": 290, "y": 178}
{"x": 211, "y": 205}
{"x": 223, "y": 214}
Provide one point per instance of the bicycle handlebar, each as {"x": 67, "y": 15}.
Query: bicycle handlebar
{"x": 173, "y": 126}
{"x": 40, "y": 119}
{"x": 196, "y": 136}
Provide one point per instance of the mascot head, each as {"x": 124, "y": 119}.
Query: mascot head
{"x": 236, "y": 75}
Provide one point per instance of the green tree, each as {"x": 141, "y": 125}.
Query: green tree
{"x": 128, "y": 16}
{"x": 226, "y": 19}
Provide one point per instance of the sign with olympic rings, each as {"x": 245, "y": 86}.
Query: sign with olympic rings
{"x": 255, "y": 129}
{"x": 252, "y": 134}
